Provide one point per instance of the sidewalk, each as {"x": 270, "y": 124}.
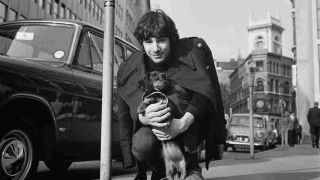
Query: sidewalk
{"x": 301, "y": 162}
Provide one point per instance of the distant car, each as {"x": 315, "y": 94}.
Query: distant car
{"x": 50, "y": 94}
{"x": 239, "y": 132}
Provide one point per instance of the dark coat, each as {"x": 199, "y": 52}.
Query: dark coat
{"x": 193, "y": 70}
{"x": 314, "y": 116}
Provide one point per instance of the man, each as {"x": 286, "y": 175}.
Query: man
{"x": 187, "y": 62}
{"x": 293, "y": 123}
{"x": 314, "y": 122}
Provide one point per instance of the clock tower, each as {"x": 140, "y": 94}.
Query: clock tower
{"x": 265, "y": 34}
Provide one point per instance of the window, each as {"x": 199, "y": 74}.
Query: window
{"x": 259, "y": 86}
{"x": 41, "y": 3}
{"x": 84, "y": 58}
{"x": 49, "y": 7}
{"x": 55, "y": 9}
{"x": 2, "y": 12}
{"x": 277, "y": 86}
{"x": 62, "y": 11}
{"x": 36, "y": 41}
{"x": 73, "y": 16}
{"x": 12, "y": 15}
{"x": 259, "y": 65}
{"x": 286, "y": 88}
{"x": 129, "y": 52}
{"x": 271, "y": 82}
{"x": 96, "y": 48}
{"x": 86, "y": 3}
{"x": 259, "y": 42}
{"x": 91, "y": 53}
{"x": 68, "y": 14}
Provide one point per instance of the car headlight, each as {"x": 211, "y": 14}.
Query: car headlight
{"x": 232, "y": 137}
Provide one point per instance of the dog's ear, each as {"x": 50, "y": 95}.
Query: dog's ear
{"x": 144, "y": 83}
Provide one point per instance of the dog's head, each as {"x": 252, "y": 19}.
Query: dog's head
{"x": 154, "y": 81}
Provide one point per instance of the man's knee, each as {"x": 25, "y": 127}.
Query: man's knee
{"x": 145, "y": 144}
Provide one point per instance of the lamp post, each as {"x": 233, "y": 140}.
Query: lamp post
{"x": 107, "y": 90}
{"x": 251, "y": 69}
{"x": 283, "y": 117}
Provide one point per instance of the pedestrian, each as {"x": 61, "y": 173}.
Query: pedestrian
{"x": 293, "y": 123}
{"x": 299, "y": 133}
{"x": 313, "y": 117}
{"x": 188, "y": 63}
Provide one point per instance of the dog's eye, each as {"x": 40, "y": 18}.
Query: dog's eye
{"x": 164, "y": 77}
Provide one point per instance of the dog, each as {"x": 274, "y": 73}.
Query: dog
{"x": 156, "y": 86}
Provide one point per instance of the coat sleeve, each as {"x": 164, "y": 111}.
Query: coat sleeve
{"x": 217, "y": 134}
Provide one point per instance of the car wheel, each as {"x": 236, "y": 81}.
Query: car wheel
{"x": 225, "y": 148}
{"x": 264, "y": 146}
{"x": 57, "y": 163}
{"x": 19, "y": 159}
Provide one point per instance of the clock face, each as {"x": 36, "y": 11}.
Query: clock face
{"x": 260, "y": 103}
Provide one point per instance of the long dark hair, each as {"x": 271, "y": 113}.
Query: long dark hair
{"x": 156, "y": 24}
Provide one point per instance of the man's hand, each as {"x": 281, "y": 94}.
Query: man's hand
{"x": 175, "y": 127}
{"x": 155, "y": 115}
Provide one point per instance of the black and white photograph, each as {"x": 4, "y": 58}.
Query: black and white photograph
{"x": 159, "y": 89}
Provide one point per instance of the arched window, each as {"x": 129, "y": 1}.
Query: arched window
{"x": 276, "y": 45}
{"x": 259, "y": 42}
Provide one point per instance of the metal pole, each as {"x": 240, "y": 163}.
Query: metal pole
{"x": 251, "y": 117}
{"x": 107, "y": 90}
{"x": 282, "y": 124}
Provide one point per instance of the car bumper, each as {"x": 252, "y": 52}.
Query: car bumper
{"x": 242, "y": 144}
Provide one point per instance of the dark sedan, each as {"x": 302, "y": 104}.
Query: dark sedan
{"x": 50, "y": 94}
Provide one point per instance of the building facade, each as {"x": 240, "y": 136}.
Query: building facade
{"x": 273, "y": 77}
{"x": 307, "y": 26}
{"x": 127, "y": 12}
{"x": 224, "y": 69}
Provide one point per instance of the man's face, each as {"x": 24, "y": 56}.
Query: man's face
{"x": 158, "y": 49}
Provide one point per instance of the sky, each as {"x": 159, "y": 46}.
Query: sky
{"x": 223, "y": 23}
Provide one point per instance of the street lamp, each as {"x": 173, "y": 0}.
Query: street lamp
{"x": 251, "y": 69}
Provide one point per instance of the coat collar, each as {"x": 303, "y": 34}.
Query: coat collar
{"x": 136, "y": 63}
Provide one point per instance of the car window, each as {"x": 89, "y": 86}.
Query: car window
{"x": 129, "y": 52}
{"x": 244, "y": 121}
{"x": 84, "y": 58}
{"x": 91, "y": 53}
{"x": 37, "y": 42}
{"x": 96, "y": 48}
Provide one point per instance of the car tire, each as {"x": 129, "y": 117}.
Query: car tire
{"x": 57, "y": 163}
{"x": 264, "y": 146}
{"x": 225, "y": 148}
{"x": 18, "y": 156}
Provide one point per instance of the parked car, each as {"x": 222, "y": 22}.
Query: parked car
{"x": 50, "y": 94}
{"x": 239, "y": 132}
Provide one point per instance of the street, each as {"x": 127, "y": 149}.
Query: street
{"x": 298, "y": 163}
{"x": 90, "y": 169}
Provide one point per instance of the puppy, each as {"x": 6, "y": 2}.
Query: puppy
{"x": 156, "y": 85}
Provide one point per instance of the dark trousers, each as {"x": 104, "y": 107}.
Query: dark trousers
{"x": 299, "y": 137}
{"x": 291, "y": 137}
{"x": 315, "y": 133}
{"x": 147, "y": 150}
